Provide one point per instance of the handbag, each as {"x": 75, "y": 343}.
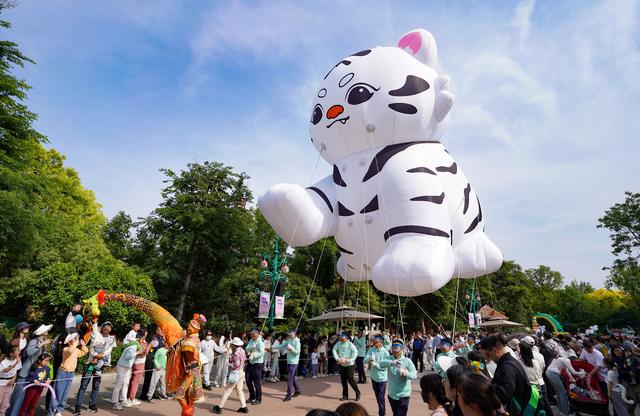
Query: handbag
{"x": 235, "y": 376}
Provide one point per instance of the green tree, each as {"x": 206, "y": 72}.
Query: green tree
{"x": 200, "y": 232}
{"x": 117, "y": 236}
{"x": 623, "y": 221}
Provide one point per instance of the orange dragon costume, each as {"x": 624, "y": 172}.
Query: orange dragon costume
{"x": 183, "y": 360}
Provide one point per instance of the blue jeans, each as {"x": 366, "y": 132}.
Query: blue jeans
{"x": 87, "y": 376}
{"x": 314, "y": 370}
{"x": 380, "y": 390}
{"x": 63, "y": 385}
{"x": 561, "y": 393}
{"x": 399, "y": 407}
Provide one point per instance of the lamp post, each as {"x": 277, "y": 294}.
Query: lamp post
{"x": 277, "y": 274}
{"x": 472, "y": 299}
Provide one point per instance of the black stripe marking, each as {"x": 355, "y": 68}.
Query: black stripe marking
{"x": 467, "y": 191}
{"x": 418, "y": 229}
{"x": 412, "y": 85}
{"x": 451, "y": 169}
{"x": 351, "y": 267}
{"x": 323, "y": 196}
{"x": 403, "y": 108}
{"x": 344, "y": 62}
{"x": 476, "y": 220}
{"x": 343, "y": 250}
{"x": 343, "y": 211}
{"x": 337, "y": 178}
{"x": 421, "y": 169}
{"x": 436, "y": 199}
{"x": 371, "y": 206}
{"x": 451, "y": 232}
{"x": 383, "y": 156}
{"x": 362, "y": 53}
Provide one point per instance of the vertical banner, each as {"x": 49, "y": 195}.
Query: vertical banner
{"x": 279, "y": 307}
{"x": 478, "y": 318}
{"x": 263, "y": 309}
{"x": 471, "y": 320}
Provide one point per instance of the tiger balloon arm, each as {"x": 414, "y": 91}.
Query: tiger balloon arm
{"x": 301, "y": 216}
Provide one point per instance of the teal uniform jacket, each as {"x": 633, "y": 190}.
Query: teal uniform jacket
{"x": 387, "y": 342}
{"x": 399, "y": 386}
{"x": 345, "y": 350}
{"x": 361, "y": 346}
{"x": 437, "y": 367}
{"x": 377, "y": 373}
{"x": 293, "y": 354}
{"x": 464, "y": 351}
{"x": 255, "y": 349}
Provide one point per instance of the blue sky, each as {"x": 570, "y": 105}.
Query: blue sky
{"x": 545, "y": 122}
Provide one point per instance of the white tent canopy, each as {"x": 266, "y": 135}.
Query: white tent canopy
{"x": 345, "y": 313}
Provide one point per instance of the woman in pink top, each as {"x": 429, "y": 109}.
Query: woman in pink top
{"x": 236, "y": 377}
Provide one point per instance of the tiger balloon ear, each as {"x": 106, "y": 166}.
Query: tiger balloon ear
{"x": 421, "y": 44}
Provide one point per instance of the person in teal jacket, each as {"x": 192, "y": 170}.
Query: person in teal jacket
{"x": 401, "y": 372}
{"x": 345, "y": 354}
{"x": 255, "y": 354}
{"x": 378, "y": 374}
{"x": 292, "y": 345}
{"x": 361, "y": 345}
{"x": 446, "y": 351}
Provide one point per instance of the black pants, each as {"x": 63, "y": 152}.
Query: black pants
{"x": 346, "y": 376}
{"x": 282, "y": 364}
{"x": 254, "y": 381}
{"x": 399, "y": 407}
{"x": 148, "y": 366}
{"x": 416, "y": 357}
{"x": 380, "y": 390}
{"x": 332, "y": 365}
{"x": 362, "y": 376}
{"x": 88, "y": 375}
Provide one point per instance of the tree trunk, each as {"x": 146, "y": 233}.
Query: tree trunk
{"x": 187, "y": 279}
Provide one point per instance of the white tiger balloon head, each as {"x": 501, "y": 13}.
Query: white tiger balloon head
{"x": 381, "y": 96}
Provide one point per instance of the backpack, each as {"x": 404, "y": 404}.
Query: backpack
{"x": 546, "y": 353}
{"x": 535, "y": 406}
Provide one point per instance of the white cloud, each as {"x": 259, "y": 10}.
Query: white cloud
{"x": 521, "y": 20}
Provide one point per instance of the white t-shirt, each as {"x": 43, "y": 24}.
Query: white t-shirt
{"x": 131, "y": 336}
{"x": 274, "y": 352}
{"x": 22, "y": 344}
{"x": 595, "y": 358}
{"x": 561, "y": 363}
{"x": 314, "y": 358}
{"x": 612, "y": 377}
{"x": 534, "y": 374}
{"x": 6, "y": 376}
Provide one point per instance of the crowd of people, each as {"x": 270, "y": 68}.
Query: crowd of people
{"x": 463, "y": 374}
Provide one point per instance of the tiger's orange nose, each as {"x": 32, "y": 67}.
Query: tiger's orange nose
{"x": 334, "y": 111}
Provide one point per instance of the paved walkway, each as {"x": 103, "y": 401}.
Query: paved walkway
{"x": 316, "y": 393}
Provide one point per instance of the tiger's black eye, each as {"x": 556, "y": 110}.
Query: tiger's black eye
{"x": 358, "y": 94}
{"x": 317, "y": 114}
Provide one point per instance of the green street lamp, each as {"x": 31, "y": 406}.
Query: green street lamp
{"x": 274, "y": 267}
{"x": 472, "y": 299}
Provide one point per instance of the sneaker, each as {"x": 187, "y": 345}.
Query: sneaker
{"x": 243, "y": 410}
{"x": 164, "y": 397}
{"x": 77, "y": 413}
{"x": 296, "y": 394}
{"x": 314, "y": 377}
{"x": 256, "y": 402}
{"x": 136, "y": 402}
{"x": 286, "y": 398}
{"x": 216, "y": 385}
{"x": 127, "y": 403}
{"x": 344, "y": 399}
{"x": 208, "y": 388}
{"x": 148, "y": 400}
{"x": 217, "y": 409}
{"x": 93, "y": 409}
{"x": 118, "y": 407}
{"x": 358, "y": 397}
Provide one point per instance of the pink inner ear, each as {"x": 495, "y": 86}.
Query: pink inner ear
{"x": 413, "y": 40}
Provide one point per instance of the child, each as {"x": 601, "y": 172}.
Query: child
{"x": 158, "y": 377}
{"x": 9, "y": 366}
{"x": 39, "y": 375}
{"x": 314, "y": 363}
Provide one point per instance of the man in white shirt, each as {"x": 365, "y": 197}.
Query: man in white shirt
{"x": 208, "y": 347}
{"x": 595, "y": 358}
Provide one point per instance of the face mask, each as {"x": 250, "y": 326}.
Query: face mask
{"x": 209, "y": 337}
